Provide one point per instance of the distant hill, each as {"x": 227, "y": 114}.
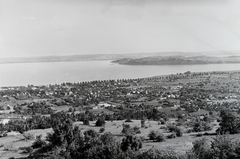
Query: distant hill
{"x": 59, "y": 58}
{"x": 177, "y": 60}
{"x": 156, "y": 58}
{"x": 71, "y": 58}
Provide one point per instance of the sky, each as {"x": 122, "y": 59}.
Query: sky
{"x": 75, "y": 27}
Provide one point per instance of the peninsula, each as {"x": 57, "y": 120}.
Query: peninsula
{"x": 178, "y": 60}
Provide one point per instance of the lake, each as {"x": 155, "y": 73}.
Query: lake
{"x": 22, "y": 74}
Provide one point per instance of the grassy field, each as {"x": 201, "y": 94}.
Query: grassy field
{"x": 10, "y": 146}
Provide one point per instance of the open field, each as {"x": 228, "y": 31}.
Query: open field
{"x": 11, "y": 145}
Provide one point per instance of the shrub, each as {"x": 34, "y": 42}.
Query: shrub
{"x": 101, "y": 130}
{"x": 172, "y": 135}
{"x": 127, "y": 130}
{"x": 91, "y": 133}
{"x": 128, "y": 120}
{"x": 171, "y": 128}
{"x": 156, "y": 136}
{"x": 107, "y": 138}
{"x": 86, "y": 121}
{"x": 223, "y": 147}
{"x": 201, "y": 149}
{"x": 199, "y": 134}
{"x": 162, "y": 121}
{"x": 131, "y": 142}
{"x": 229, "y": 123}
{"x": 199, "y": 126}
{"x": 136, "y": 130}
{"x": 152, "y": 135}
{"x": 100, "y": 122}
{"x": 178, "y": 132}
{"x": 160, "y": 137}
{"x": 142, "y": 123}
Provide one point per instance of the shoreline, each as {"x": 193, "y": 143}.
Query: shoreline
{"x": 165, "y": 75}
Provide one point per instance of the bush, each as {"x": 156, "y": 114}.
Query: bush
{"x": 172, "y": 135}
{"x": 107, "y": 138}
{"x": 128, "y": 120}
{"x": 199, "y": 134}
{"x": 101, "y": 130}
{"x": 100, "y": 122}
{"x": 201, "y": 149}
{"x": 152, "y": 135}
{"x": 199, "y": 126}
{"x": 162, "y": 121}
{"x": 142, "y": 123}
{"x": 160, "y": 137}
{"x": 229, "y": 123}
{"x": 223, "y": 147}
{"x": 178, "y": 132}
{"x": 131, "y": 142}
{"x": 91, "y": 133}
{"x": 156, "y": 136}
{"x": 86, "y": 122}
{"x": 136, "y": 130}
{"x": 171, "y": 128}
{"x": 127, "y": 130}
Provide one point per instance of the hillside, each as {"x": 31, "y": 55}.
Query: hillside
{"x": 177, "y": 60}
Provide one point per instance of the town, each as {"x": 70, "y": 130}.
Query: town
{"x": 169, "y": 106}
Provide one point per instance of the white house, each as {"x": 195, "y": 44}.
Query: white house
{"x": 4, "y": 121}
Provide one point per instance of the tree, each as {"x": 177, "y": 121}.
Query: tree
{"x": 229, "y": 123}
{"x": 223, "y": 147}
{"x": 131, "y": 142}
{"x": 85, "y": 121}
{"x": 100, "y": 122}
{"x": 128, "y": 130}
{"x": 156, "y": 136}
{"x": 177, "y": 130}
{"x": 201, "y": 149}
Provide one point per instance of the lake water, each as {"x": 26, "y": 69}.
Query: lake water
{"x": 22, "y": 74}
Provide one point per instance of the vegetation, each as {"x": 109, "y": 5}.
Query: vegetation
{"x": 100, "y": 122}
{"x": 83, "y": 115}
{"x": 131, "y": 142}
{"x": 128, "y": 130}
{"x": 222, "y": 147}
{"x": 230, "y": 122}
{"x": 156, "y": 136}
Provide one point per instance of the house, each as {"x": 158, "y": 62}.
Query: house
{"x": 4, "y": 121}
